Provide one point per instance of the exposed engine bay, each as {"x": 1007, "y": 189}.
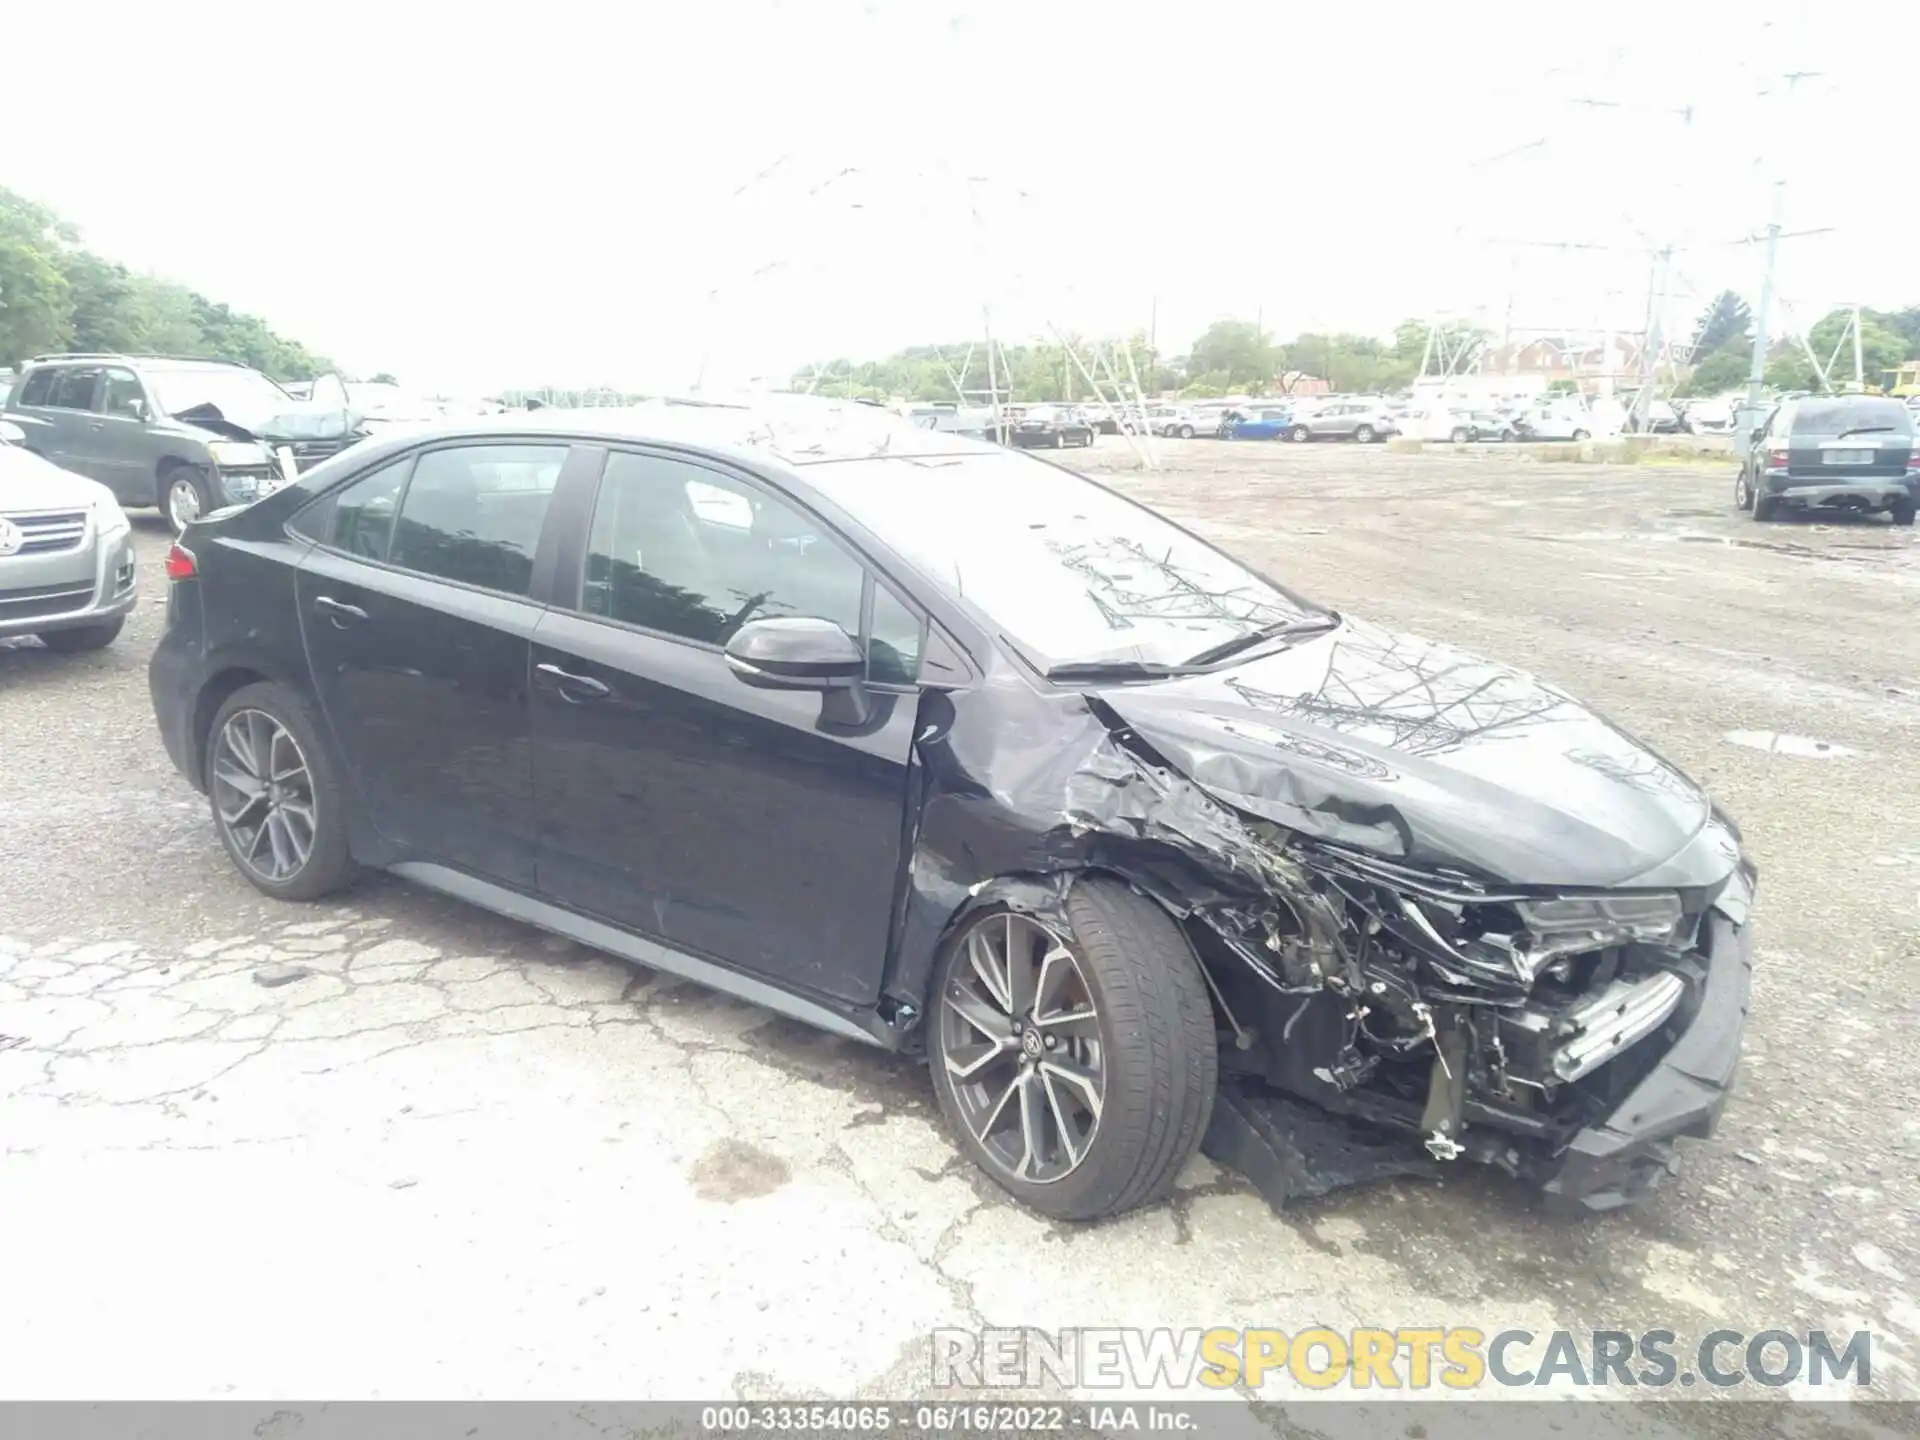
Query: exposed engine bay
{"x": 1489, "y": 1022}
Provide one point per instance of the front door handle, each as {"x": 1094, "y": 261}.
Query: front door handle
{"x": 575, "y": 687}
{"x": 98, "y": 425}
{"x": 338, "y": 611}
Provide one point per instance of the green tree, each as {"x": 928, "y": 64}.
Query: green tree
{"x": 1236, "y": 349}
{"x": 1881, "y": 347}
{"x": 1726, "y": 324}
{"x": 1791, "y": 370}
{"x": 1722, "y": 370}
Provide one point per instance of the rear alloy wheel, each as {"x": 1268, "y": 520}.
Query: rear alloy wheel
{"x": 183, "y": 496}
{"x": 277, "y": 804}
{"x": 1462, "y": 435}
{"x": 1075, "y": 1061}
{"x": 1185, "y": 432}
{"x": 1364, "y": 435}
{"x": 84, "y": 637}
{"x": 1743, "y": 491}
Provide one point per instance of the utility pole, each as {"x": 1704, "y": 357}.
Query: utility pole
{"x": 1650, "y": 339}
{"x": 1756, "y": 372}
{"x": 1859, "y": 355}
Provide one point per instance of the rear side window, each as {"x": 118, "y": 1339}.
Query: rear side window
{"x": 473, "y": 514}
{"x": 1837, "y": 417}
{"x": 73, "y": 388}
{"x": 33, "y": 390}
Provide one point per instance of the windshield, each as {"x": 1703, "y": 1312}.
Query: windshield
{"x": 233, "y": 393}
{"x": 1069, "y": 572}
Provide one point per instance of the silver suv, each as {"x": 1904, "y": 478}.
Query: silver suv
{"x": 186, "y": 436}
{"x": 66, "y": 553}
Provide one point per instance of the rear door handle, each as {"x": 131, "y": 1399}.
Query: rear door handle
{"x": 338, "y": 610}
{"x": 575, "y": 687}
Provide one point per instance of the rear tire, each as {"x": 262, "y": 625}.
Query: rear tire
{"x": 83, "y": 637}
{"x": 1580, "y": 435}
{"x": 1157, "y": 1049}
{"x": 328, "y": 864}
{"x": 1461, "y": 437}
{"x": 1903, "y": 514}
{"x": 1185, "y": 432}
{"x": 1364, "y": 435}
{"x": 1765, "y": 507}
{"x": 1743, "y": 492}
{"x": 1298, "y": 435}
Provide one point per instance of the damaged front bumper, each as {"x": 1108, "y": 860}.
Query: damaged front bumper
{"x": 1618, "y": 1161}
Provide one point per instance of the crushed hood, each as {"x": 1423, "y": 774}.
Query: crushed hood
{"x": 296, "y": 420}
{"x": 1418, "y": 752}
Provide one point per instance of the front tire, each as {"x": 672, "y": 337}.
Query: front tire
{"x": 1462, "y": 436}
{"x": 1903, "y": 513}
{"x": 1580, "y": 435}
{"x": 1364, "y": 435}
{"x": 1298, "y": 434}
{"x": 184, "y": 496}
{"x": 1076, "y": 1061}
{"x": 1185, "y": 432}
{"x": 278, "y": 803}
{"x": 84, "y": 637}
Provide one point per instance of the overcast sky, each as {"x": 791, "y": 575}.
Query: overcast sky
{"x": 475, "y": 196}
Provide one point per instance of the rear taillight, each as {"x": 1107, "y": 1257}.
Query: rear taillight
{"x": 1776, "y": 457}
{"x": 180, "y": 564}
{"x": 1913, "y": 459}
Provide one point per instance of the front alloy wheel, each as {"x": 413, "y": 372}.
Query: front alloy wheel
{"x": 1020, "y": 1037}
{"x": 186, "y": 500}
{"x": 1074, "y": 1055}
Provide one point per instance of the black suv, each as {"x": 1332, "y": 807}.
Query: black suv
{"x": 953, "y": 751}
{"x": 1833, "y": 452}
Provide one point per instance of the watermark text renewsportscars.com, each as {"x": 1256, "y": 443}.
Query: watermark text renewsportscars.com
{"x": 1454, "y": 1357}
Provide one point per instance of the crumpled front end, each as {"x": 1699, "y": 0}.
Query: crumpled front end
{"x": 1566, "y": 1036}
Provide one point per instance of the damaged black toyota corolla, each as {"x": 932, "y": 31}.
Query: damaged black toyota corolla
{"x": 943, "y": 747}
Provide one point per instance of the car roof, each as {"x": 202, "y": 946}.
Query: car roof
{"x": 795, "y": 429}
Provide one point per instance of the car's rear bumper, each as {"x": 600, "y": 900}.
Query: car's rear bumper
{"x": 1878, "y": 492}
{"x": 1620, "y": 1160}
{"x": 90, "y": 585}
{"x": 173, "y": 680}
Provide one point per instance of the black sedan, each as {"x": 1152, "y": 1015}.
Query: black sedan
{"x": 952, "y": 751}
{"x": 1052, "y": 427}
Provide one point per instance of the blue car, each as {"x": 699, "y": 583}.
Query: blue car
{"x": 1265, "y": 423}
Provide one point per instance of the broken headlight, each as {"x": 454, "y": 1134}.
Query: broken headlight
{"x": 1567, "y": 924}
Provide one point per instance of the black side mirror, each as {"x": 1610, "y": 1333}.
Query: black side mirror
{"x": 1757, "y": 432}
{"x": 803, "y": 653}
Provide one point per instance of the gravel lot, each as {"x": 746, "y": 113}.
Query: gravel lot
{"x": 449, "y": 1156}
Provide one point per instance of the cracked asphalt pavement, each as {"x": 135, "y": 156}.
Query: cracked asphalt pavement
{"x": 393, "y": 1146}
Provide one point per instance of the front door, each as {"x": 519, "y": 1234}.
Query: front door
{"x": 736, "y": 824}
{"x": 127, "y": 457}
{"x": 416, "y": 611}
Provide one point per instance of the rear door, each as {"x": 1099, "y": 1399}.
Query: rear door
{"x": 1836, "y": 442}
{"x": 417, "y": 606}
{"x": 70, "y": 437}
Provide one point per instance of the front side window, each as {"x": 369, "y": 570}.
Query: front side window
{"x": 1069, "y": 571}
{"x": 73, "y": 388}
{"x": 691, "y": 552}
{"x": 122, "y": 395}
{"x": 473, "y": 514}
